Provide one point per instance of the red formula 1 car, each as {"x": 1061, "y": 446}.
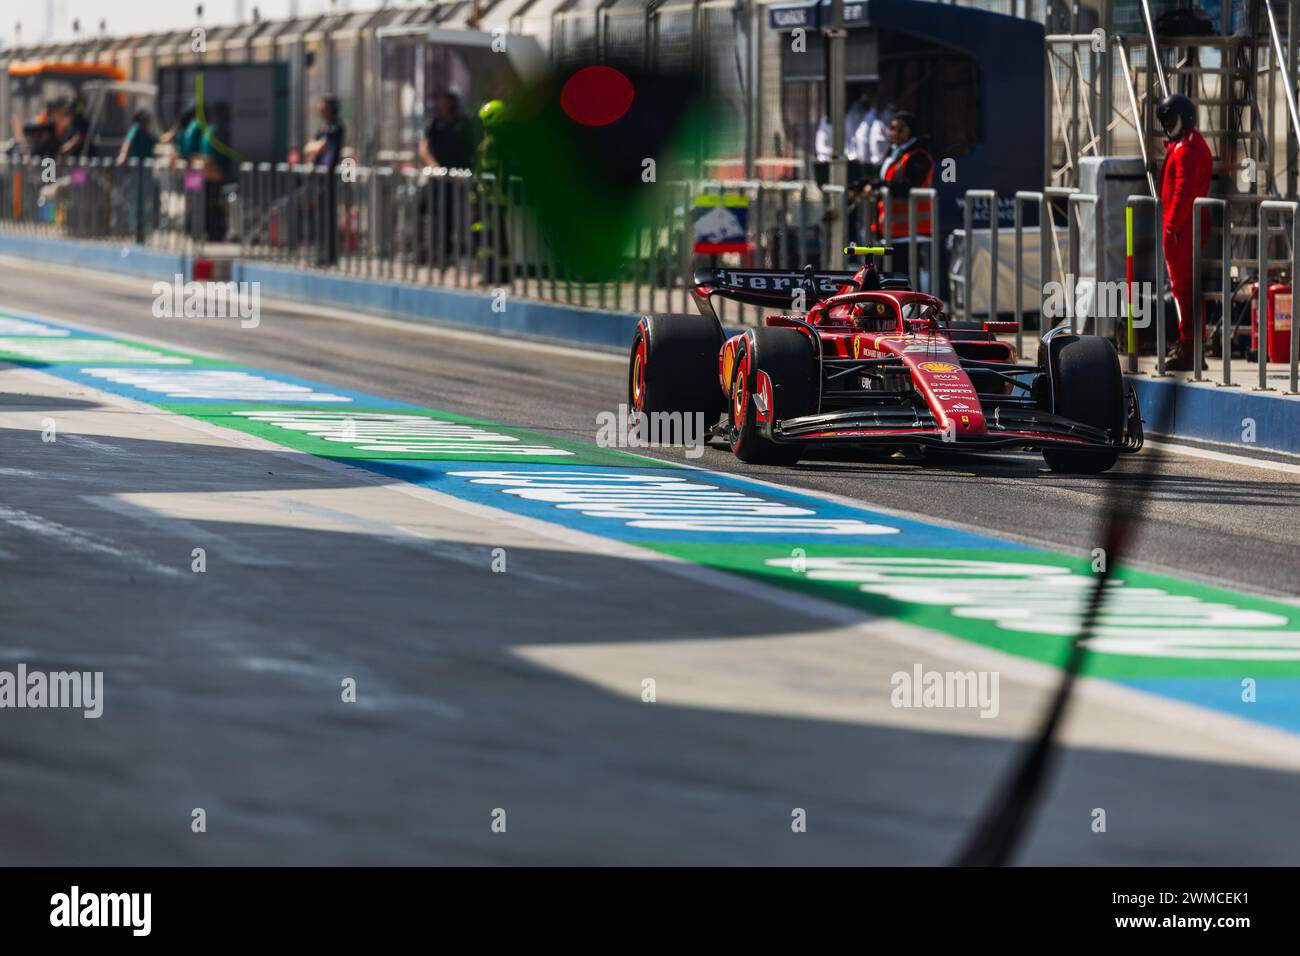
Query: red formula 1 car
{"x": 865, "y": 360}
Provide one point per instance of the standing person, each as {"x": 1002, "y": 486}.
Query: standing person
{"x": 449, "y": 137}
{"x": 139, "y": 145}
{"x": 324, "y": 152}
{"x": 326, "y": 148}
{"x": 186, "y": 138}
{"x": 449, "y": 142}
{"x": 140, "y": 140}
{"x": 219, "y": 169}
{"x": 907, "y": 166}
{"x": 74, "y": 137}
{"x": 178, "y": 137}
{"x": 1184, "y": 178}
{"x": 871, "y": 138}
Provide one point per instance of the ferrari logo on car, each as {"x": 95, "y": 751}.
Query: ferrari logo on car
{"x": 938, "y": 367}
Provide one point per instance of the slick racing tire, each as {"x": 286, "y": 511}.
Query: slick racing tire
{"x": 673, "y": 366}
{"x": 1090, "y": 390}
{"x": 787, "y": 358}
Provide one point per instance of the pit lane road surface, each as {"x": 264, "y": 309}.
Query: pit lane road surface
{"x": 727, "y": 659}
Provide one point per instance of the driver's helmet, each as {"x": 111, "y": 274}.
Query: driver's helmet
{"x": 874, "y": 317}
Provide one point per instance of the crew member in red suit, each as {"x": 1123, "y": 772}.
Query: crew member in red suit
{"x": 1184, "y": 179}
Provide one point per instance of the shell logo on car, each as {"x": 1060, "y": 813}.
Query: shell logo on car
{"x": 938, "y": 367}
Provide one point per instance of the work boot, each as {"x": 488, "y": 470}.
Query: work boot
{"x": 1181, "y": 358}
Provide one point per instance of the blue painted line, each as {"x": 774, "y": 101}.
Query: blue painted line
{"x": 1277, "y": 699}
{"x": 705, "y": 510}
{"x": 232, "y": 385}
{"x": 60, "y": 331}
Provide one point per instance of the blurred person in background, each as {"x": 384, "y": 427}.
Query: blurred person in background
{"x": 40, "y": 136}
{"x": 871, "y": 138}
{"x": 73, "y": 130}
{"x": 219, "y": 169}
{"x": 139, "y": 144}
{"x": 179, "y": 138}
{"x": 449, "y": 141}
{"x": 140, "y": 140}
{"x": 449, "y": 137}
{"x": 325, "y": 151}
{"x": 326, "y": 148}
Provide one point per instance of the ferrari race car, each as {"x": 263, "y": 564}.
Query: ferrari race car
{"x": 864, "y": 360}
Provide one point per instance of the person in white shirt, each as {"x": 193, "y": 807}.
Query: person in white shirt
{"x": 822, "y": 141}
{"x": 852, "y": 120}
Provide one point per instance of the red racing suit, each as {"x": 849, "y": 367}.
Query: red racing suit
{"x": 1184, "y": 179}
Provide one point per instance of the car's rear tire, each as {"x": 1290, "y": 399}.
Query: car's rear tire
{"x": 1089, "y": 389}
{"x": 673, "y": 366}
{"x": 786, "y": 357}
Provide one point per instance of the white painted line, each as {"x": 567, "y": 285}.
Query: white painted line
{"x": 1191, "y": 451}
{"x": 78, "y": 540}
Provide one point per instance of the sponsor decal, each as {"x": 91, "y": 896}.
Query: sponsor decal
{"x": 938, "y": 367}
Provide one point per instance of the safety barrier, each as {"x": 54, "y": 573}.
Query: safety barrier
{"x": 1158, "y": 270}
{"x": 1198, "y": 293}
{"x": 1044, "y": 260}
{"x": 1261, "y": 294}
{"x": 449, "y": 228}
{"x": 442, "y": 227}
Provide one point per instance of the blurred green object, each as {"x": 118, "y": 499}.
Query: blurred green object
{"x": 594, "y": 188}
{"x": 491, "y": 113}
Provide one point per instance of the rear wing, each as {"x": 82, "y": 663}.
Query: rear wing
{"x": 776, "y": 288}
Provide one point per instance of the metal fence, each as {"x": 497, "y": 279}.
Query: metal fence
{"x": 448, "y": 228}
{"x": 152, "y": 203}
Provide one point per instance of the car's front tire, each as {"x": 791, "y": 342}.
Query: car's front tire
{"x": 1089, "y": 389}
{"x": 786, "y": 357}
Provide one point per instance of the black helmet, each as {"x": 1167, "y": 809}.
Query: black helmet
{"x": 1177, "y": 114}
